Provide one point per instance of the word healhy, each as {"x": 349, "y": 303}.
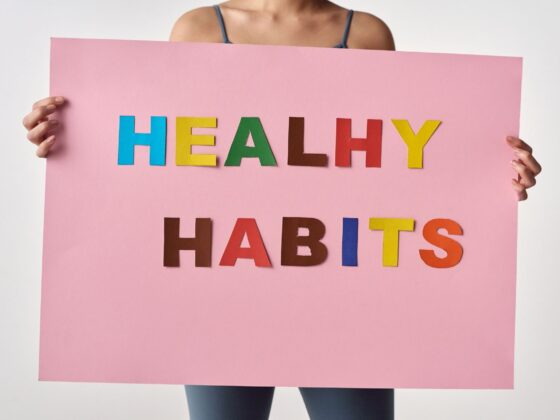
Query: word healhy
{"x": 201, "y": 242}
{"x": 156, "y": 140}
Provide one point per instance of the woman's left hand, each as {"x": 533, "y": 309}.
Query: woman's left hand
{"x": 526, "y": 166}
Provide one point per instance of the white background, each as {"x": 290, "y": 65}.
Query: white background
{"x": 497, "y": 27}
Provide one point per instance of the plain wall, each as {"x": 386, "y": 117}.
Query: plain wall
{"x": 498, "y": 27}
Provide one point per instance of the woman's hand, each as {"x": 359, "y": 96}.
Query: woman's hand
{"x": 40, "y": 128}
{"x": 526, "y": 166}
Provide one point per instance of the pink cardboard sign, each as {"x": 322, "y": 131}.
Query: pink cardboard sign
{"x": 350, "y": 215}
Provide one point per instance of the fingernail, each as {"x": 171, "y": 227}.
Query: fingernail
{"x": 50, "y": 107}
{"x": 513, "y": 163}
{"x": 59, "y": 99}
{"x": 50, "y": 139}
{"x": 510, "y": 138}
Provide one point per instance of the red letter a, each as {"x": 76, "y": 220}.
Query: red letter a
{"x": 256, "y": 250}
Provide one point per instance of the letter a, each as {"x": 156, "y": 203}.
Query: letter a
{"x": 256, "y": 250}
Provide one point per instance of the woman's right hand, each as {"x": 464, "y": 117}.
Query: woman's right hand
{"x": 40, "y": 128}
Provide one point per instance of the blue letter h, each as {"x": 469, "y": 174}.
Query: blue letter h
{"x": 128, "y": 138}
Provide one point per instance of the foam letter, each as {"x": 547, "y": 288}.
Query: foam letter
{"x": 416, "y": 142}
{"x": 296, "y": 154}
{"x": 186, "y": 139}
{"x": 291, "y": 241}
{"x": 239, "y": 149}
{"x": 256, "y": 250}
{"x": 349, "y": 242}
{"x": 128, "y": 138}
{"x": 201, "y": 244}
{"x": 391, "y": 228}
{"x": 345, "y": 143}
{"x": 453, "y": 248}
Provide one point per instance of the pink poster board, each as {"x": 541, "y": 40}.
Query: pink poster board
{"x": 112, "y": 312}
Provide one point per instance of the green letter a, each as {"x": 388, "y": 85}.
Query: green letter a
{"x": 239, "y": 149}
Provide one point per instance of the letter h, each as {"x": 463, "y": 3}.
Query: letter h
{"x": 128, "y": 138}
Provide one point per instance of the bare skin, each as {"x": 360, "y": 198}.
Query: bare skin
{"x": 313, "y": 23}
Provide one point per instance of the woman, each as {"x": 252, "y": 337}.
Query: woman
{"x": 318, "y": 23}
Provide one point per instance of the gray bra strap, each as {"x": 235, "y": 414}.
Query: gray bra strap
{"x": 222, "y": 24}
{"x": 347, "y": 29}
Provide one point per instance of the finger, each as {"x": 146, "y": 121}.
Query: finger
{"x": 517, "y": 142}
{"x": 38, "y": 115}
{"x": 520, "y": 190}
{"x": 527, "y": 178}
{"x": 38, "y": 133}
{"x": 45, "y": 146}
{"x": 56, "y": 100}
{"x": 528, "y": 160}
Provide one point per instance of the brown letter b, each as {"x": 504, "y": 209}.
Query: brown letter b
{"x": 291, "y": 241}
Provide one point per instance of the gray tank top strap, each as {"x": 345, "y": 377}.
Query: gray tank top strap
{"x": 344, "y": 42}
{"x": 222, "y": 24}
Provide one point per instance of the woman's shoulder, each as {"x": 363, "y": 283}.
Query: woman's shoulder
{"x": 369, "y": 32}
{"x": 197, "y": 25}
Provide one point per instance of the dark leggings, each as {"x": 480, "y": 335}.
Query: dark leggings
{"x": 253, "y": 403}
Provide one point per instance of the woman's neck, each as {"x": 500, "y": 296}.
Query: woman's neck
{"x": 285, "y": 7}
